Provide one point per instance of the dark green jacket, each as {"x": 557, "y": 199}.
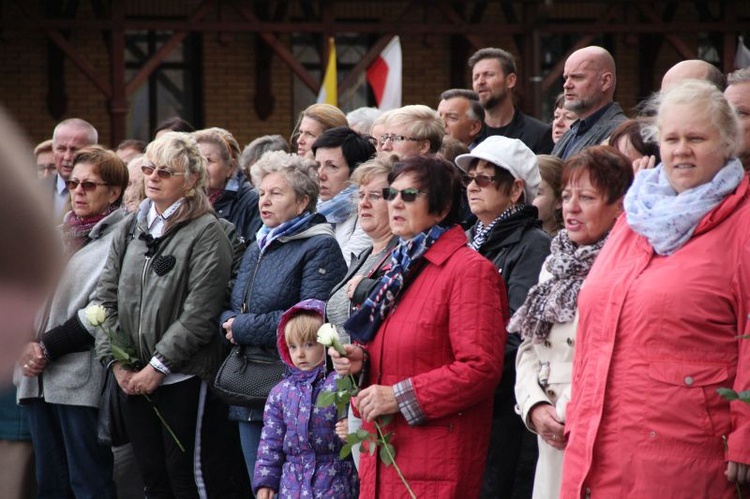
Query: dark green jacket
{"x": 166, "y": 295}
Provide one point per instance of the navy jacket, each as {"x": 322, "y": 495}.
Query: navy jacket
{"x": 305, "y": 265}
{"x": 239, "y": 205}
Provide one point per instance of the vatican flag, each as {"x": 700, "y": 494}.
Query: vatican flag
{"x": 328, "y": 90}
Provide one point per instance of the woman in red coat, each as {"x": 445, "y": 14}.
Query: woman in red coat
{"x": 433, "y": 330}
{"x": 660, "y": 316}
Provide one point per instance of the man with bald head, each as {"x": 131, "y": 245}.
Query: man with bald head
{"x": 69, "y": 136}
{"x": 737, "y": 94}
{"x": 589, "y": 87}
{"x": 693, "y": 69}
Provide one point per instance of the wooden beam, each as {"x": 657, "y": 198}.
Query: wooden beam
{"x": 557, "y": 69}
{"x": 280, "y": 50}
{"x": 555, "y": 26}
{"x": 354, "y": 76}
{"x": 80, "y": 61}
{"x": 454, "y": 17}
{"x": 676, "y": 41}
{"x": 175, "y": 40}
{"x": 118, "y": 103}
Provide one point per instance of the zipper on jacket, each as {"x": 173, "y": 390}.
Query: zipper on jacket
{"x": 140, "y": 306}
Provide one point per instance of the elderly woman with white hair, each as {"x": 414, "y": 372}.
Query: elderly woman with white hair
{"x": 163, "y": 287}
{"x": 295, "y": 258}
{"x": 662, "y": 313}
{"x": 502, "y": 179}
{"x": 412, "y": 131}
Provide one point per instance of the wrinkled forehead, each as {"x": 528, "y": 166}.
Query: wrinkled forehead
{"x": 71, "y": 135}
{"x": 581, "y": 63}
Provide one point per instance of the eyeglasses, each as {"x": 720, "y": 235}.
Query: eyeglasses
{"x": 87, "y": 185}
{"x": 164, "y": 173}
{"x": 407, "y": 195}
{"x": 396, "y": 138}
{"x": 481, "y": 180}
{"x": 372, "y": 197}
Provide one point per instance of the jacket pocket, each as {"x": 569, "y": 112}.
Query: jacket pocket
{"x": 682, "y": 398}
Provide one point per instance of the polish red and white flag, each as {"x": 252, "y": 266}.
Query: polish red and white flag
{"x": 384, "y": 76}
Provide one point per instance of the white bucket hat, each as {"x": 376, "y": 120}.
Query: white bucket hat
{"x": 511, "y": 155}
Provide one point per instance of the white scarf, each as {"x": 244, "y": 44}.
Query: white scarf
{"x": 667, "y": 219}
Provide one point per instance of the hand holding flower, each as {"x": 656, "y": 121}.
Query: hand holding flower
{"x": 351, "y": 363}
{"x": 123, "y": 376}
{"x": 146, "y": 380}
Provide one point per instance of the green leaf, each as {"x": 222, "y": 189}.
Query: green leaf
{"x": 728, "y": 393}
{"x": 745, "y": 396}
{"x": 372, "y": 447}
{"x": 385, "y": 457}
{"x": 344, "y": 384}
{"x": 121, "y": 355}
{"x": 325, "y": 399}
{"x": 353, "y": 438}
{"x": 362, "y": 434}
{"x": 345, "y": 451}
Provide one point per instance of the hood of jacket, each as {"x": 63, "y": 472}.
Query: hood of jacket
{"x": 311, "y": 305}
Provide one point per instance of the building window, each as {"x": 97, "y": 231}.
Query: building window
{"x": 173, "y": 89}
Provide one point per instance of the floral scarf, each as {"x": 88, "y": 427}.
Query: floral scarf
{"x": 76, "y": 229}
{"x": 266, "y": 236}
{"x": 363, "y": 325}
{"x": 667, "y": 219}
{"x": 339, "y": 207}
{"x": 555, "y": 300}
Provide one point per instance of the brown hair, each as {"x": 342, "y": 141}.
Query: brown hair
{"x": 609, "y": 170}
{"x": 107, "y": 164}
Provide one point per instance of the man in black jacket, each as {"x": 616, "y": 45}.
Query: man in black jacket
{"x": 493, "y": 73}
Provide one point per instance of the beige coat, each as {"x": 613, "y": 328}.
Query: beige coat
{"x": 553, "y": 361}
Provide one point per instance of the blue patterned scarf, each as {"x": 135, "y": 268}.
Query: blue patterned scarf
{"x": 667, "y": 219}
{"x": 339, "y": 207}
{"x": 363, "y": 325}
{"x": 266, "y": 236}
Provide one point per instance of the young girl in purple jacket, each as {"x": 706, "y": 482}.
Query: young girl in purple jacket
{"x": 298, "y": 455}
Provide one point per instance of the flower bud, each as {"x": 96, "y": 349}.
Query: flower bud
{"x": 95, "y": 315}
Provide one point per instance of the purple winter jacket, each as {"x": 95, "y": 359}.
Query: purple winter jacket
{"x": 298, "y": 455}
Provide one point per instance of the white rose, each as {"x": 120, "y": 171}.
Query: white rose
{"x": 329, "y": 336}
{"x": 95, "y": 315}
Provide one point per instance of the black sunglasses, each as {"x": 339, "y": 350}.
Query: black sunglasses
{"x": 87, "y": 185}
{"x": 407, "y": 195}
{"x": 481, "y": 180}
{"x": 164, "y": 173}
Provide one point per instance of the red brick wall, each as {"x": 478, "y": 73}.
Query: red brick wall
{"x": 229, "y": 71}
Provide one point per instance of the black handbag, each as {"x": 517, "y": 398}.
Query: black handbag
{"x": 247, "y": 375}
{"x": 110, "y": 427}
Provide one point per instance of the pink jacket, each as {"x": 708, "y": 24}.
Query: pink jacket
{"x": 446, "y": 334}
{"x": 657, "y": 336}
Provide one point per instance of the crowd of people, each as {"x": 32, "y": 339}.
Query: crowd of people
{"x": 529, "y": 309}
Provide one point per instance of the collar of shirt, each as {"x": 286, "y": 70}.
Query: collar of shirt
{"x": 60, "y": 187}
{"x": 156, "y": 220}
{"x": 582, "y": 126}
